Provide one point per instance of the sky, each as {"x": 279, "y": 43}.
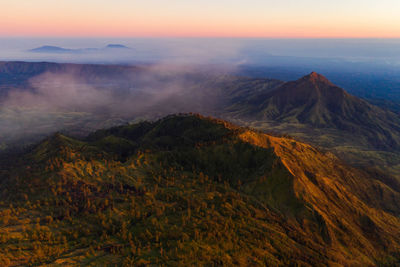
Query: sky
{"x": 205, "y": 18}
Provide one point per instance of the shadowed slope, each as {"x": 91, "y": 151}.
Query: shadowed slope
{"x": 315, "y": 101}
{"x": 316, "y": 111}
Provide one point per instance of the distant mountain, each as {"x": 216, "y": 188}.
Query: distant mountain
{"x": 373, "y": 81}
{"x": 56, "y": 49}
{"x": 189, "y": 190}
{"x": 117, "y": 46}
{"x": 52, "y": 49}
{"x": 315, "y": 102}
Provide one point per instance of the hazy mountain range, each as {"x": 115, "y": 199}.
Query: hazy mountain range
{"x": 57, "y": 49}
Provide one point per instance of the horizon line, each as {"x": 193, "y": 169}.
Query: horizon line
{"x": 198, "y": 37}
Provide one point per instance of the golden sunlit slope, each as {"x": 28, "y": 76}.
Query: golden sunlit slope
{"x": 350, "y": 203}
{"x": 189, "y": 190}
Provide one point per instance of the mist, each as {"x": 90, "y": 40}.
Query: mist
{"x": 159, "y": 76}
{"x": 77, "y": 100}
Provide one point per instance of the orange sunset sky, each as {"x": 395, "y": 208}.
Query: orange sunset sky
{"x": 206, "y": 18}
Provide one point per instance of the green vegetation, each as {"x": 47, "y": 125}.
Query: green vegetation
{"x": 188, "y": 190}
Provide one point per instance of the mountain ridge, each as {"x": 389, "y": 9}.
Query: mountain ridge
{"x": 280, "y": 201}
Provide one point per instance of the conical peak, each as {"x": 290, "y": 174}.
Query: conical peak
{"x": 316, "y": 78}
{"x": 315, "y": 75}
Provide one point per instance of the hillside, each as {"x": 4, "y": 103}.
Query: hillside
{"x": 190, "y": 190}
{"x": 316, "y": 111}
{"x": 315, "y": 101}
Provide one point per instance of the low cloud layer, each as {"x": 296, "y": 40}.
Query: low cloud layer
{"x": 87, "y": 98}
{"x": 58, "y": 92}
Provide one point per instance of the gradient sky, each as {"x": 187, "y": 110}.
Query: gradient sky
{"x": 192, "y": 18}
